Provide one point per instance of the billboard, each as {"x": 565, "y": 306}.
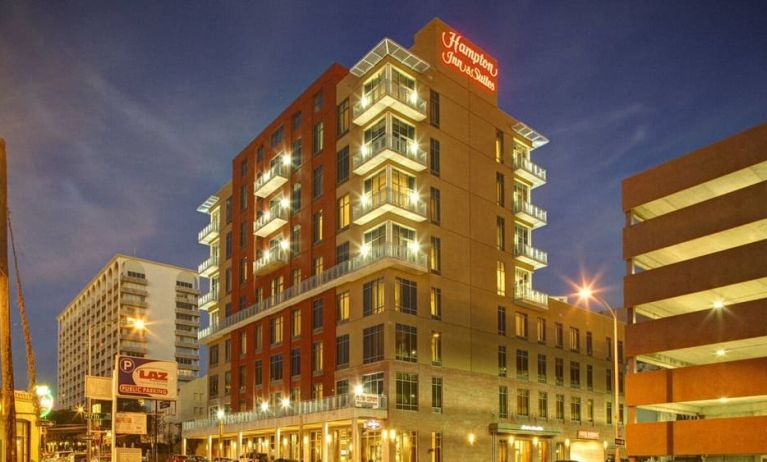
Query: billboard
{"x": 146, "y": 378}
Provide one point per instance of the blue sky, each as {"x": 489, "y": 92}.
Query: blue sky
{"x": 121, "y": 117}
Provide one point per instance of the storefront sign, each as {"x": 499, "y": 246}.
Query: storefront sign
{"x": 146, "y": 378}
{"x": 532, "y": 428}
{"x": 372, "y": 424}
{"x": 465, "y": 57}
{"x": 366, "y": 400}
{"x": 588, "y": 435}
{"x": 98, "y": 387}
{"x": 132, "y": 423}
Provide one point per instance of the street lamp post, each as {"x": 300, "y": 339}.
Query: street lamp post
{"x": 220, "y": 414}
{"x": 138, "y": 325}
{"x": 586, "y": 293}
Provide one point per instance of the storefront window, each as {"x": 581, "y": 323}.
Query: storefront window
{"x": 22, "y": 441}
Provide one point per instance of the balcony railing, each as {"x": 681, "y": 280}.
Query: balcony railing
{"x": 401, "y": 150}
{"x": 530, "y": 255}
{"x": 389, "y": 94}
{"x": 208, "y": 267}
{"x": 208, "y": 233}
{"x": 403, "y": 202}
{"x": 271, "y": 221}
{"x": 400, "y": 253}
{"x": 331, "y": 403}
{"x": 531, "y": 298}
{"x": 272, "y": 259}
{"x": 207, "y": 300}
{"x": 272, "y": 179}
{"x": 530, "y": 213}
{"x": 530, "y": 171}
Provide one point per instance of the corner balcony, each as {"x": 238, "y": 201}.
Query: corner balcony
{"x": 389, "y": 95}
{"x": 271, "y": 221}
{"x": 528, "y": 254}
{"x": 526, "y": 169}
{"x": 208, "y": 233}
{"x": 271, "y": 260}
{"x": 272, "y": 179}
{"x": 404, "y": 203}
{"x": 530, "y": 298}
{"x": 208, "y": 300}
{"x": 402, "y": 151}
{"x": 209, "y": 267}
{"x": 530, "y": 213}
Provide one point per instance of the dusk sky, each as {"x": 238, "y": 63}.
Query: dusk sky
{"x": 121, "y": 117}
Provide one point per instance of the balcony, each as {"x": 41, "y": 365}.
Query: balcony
{"x": 526, "y": 169}
{"x": 528, "y": 254}
{"x": 272, "y": 179}
{"x": 389, "y": 95}
{"x": 134, "y": 347}
{"x": 134, "y": 290}
{"x": 400, "y": 150}
{"x": 271, "y": 260}
{"x": 209, "y": 267}
{"x": 530, "y": 298}
{"x": 208, "y": 233}
{"x": 530, "y": 213}
{"x": 208, "y": 300}
{"x": 134, "y": 279}
{"x": 403, "y": 202}
{"x": 271, "y": 221}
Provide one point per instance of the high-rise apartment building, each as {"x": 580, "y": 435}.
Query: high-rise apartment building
{"x": 163, "y": 297}
{"x": 695, "y": 243}
{"x": 373, "y": 296}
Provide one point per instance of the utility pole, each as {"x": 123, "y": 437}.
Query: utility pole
{"x": 9, "y": 401}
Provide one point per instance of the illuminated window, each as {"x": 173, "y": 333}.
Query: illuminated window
{"x": 406, "y": 343}
{"x": 373, "y": 297}
{"x": 520, "y": 325}
{"x": 500, "y": 278}
{"x": 436, "y": 348}
{"x": 575, "y": 339}
{"x": 342, "y": 307}
{"x": 275, "y": 330}
{"x": 296, "y": 324}
{"x": 500, "y": 190}
{"x": 317, "y": 222}
{"x": 343, "y": 117}
{"x": 318, "y": 138}
{"x": 435, "y": 303}
{"x": 343, "y": 211}
{"x": 499, "y": 146}
{"x": 541, "y": 330}
{"x": 317, "y": 357}
{"x": 500, "y": 233}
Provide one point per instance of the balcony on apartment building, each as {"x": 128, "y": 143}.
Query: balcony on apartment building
{"x": 530, "y": 213}
{"x": 274, "y": 178}
{"x": 530, "y": 255}
{"x": 528, "y": 170}
{"x": 272, "y": 259}
{"x": 398, "y": 149}
{"x": 207, "y": 300}
{"x": 271, "y": 220}
{"x": 208, "y": 233}
{"x": 531, "y": 298}
{"x": 208, "y": 267}
{"x": 403, "y": 202}
{"x": 388, "y": 94}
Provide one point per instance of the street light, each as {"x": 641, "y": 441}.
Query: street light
{"x": 586, "y": 293}
{"x": 220, "y": 414}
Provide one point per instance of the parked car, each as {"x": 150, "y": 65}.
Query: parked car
{"x": 177, "y": 458}
{"x": 254, "y": 457}
{"x": 196, "y": 459}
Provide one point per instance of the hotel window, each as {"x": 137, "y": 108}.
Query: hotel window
{"x": 435, "y": 207}
{"x": 317, "y": 186}
{"x": 277, "y": 285}
{"x": 317, "y": 392}
{"x": 277, "y": 136}
{"x": 213, "y": 355}
{"x": 295, "y": 198}
{"x": 243, "y": 343}
{"x": 436, "y": 394}
{"x": 243, "y": 234}
{"x": 403, "y": 134}
{"x": 436, "y": 348}
{"x": 559, "y": 370}
{"x": 520, "y": 325}
{"x": 543, "y": 405}
{"x": 406, "y": 343}
{"x": 342, "y": 307}
{"x": 258, "y": 373}
{"x": 342, "y": 351}
{"x": 317, "y": 220}
{"x": 434, "y": 108}
{"x": 542, "y": 368}
{"x": 560, "y": 407}
{"x": 373, "y": 383}
{"x": 295, "y": 362}
{"x": 609, "y": 347}
{"x": 343, "y": 117}
{"x": 407, "y": 391}
{"x": 296, "y": 323}
{"x": 317, "y": 313}
{"x": 317, "y": 358}
{"x": 620, "y": 351}
{"x": 342, "y": 165}
{"x": 608, "y": 380}
{"x": 244, "y": 167}
{"x": 500, "y": 190}
{"x": 317, "y": 101}
{"x": 372, "y": 344}
{"x": 501, "y": 320}
{"x": 609, "y": 412}
{"x": 589, "y": 377}
{"x": 575, "y": 374}
{"x": 296, "y": 278}
{"x": 318, "y": 138}
{"x": 342, "y": 387}
{"x": 523, "y": 402}
{"x": 227, "y": 350}
{"x": 500, "y": 278}
{"x": 435, "y": 303}
{"x": 435, "y": 255}
{"x": 228, "y": 245}
{"x": 373, "y": 297}
{"x": 541, "y": 330}
{"x": 275, "y": 368}
{"x": 499, "y": 146}
{"x": 434, "y": 154}
{"x": 213, "y": 386}
{"x": 406, "y": 296}
{"x": 259, "y": 337}
{"x": 243, "y": 197}
{"x": 296, "y": 121}
{"x": 503, "y": 401}
{"x": 500, "y": 233}
{"x": 502, "y": 361}
{"x": 296, "y": 156}
{"x": 575, "y": 339}
{"x": 436, "y": 446}
{"x": 318, "y": 265}
{"x": 558, "y": 335}
{"x": 275, "y": 330}
{"x": 227, "y": 383}
{"x": 575, "y": 409}
{"x": 523, "y": 369}
{"x": 342, "y": 252}
{"x": 343, "y": 210}
{"x": 589, "y": 344}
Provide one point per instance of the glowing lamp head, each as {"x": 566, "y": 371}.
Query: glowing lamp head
{"x": 365, "y": 250}
{"x": 721, "y": 352}
{"x": 264, "y": 406}
{"x": 268, "y": 215}
{"x": 414, "y": 246}
{"x": 392, "y": 434}
{"x": 284, "y": 244}
{"x": 286, "y": 159}
{"x": 220, "y": 414}
{"x": 472, "y": 438}
{"x": 365, "y": 101}
{"x": 358, "y": 390}
{"x": 285, "y": 402}
{"x": 139, "y": 324}
{"x": 80, "y": 409}
{"x": 413, "y": 98}
{"x": 412, "y": 147}
{"x": 414, "y": 197}
{"x": 365, "y": 150}
{"x": 365, "y": 199}
{"x": 585, "y": 293}
{"x": 718, "y": 304}
{"x": 284, "y": 202}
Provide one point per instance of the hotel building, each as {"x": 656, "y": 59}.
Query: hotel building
{"x": 375, "y": 296}
{"x": 163, "y": 296}
{"x": 695, "y": 243}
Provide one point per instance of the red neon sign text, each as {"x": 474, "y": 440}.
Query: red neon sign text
{"x": 468, "y": 59}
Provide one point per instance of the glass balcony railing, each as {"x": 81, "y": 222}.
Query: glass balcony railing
{"x": 530, "y": 171}
{"x": 412, "y": 257}
{"x": 271, "y": 221}
{"x": 401, "y": 150}
{"x": 207, "y": 300}
{"x": 530, "y": 255}
{"x": 530, "y": 213}
{"x": 389, "y": 94}
{"x": 273, "y": 178}
{"x": 208, "y": 267}
{"x": 208, "y": 233}
{"x": 271, "y": 259}
{"x": 531, "y": 298}
{"x": 403, "y": 202}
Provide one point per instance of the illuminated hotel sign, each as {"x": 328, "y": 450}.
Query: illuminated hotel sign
{"x": 465, "y": 57}
{"x": 531, "y": 428}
